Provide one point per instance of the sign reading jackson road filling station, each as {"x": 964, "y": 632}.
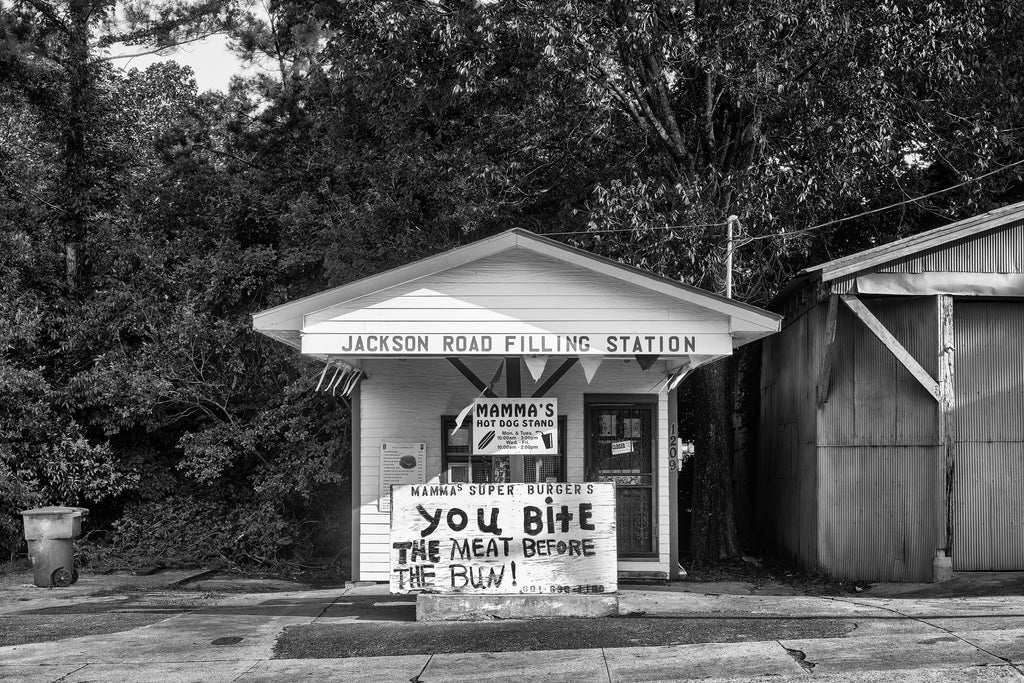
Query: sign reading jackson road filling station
{"x": 501, "y": 344}
{"x": 504, "y": 538}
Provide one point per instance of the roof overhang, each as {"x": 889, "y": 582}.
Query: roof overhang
{"x": 877, "y": 257}
{"x": 515, "y": 294}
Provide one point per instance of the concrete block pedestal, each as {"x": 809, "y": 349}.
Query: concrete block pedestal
{"x": 473, "y": 607}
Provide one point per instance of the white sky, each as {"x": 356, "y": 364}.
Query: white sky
{"x": 210, "y": 59}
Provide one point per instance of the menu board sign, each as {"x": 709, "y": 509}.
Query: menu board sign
{"x": 400, "y": 464}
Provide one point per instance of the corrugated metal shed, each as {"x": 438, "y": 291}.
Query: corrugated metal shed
{"x": 917, "y": 441}
{"x": 996, "y": 252}
{"x": 947, "y": 238}
{"x": 989, "y": 463}
{"x": 786, "y": 479}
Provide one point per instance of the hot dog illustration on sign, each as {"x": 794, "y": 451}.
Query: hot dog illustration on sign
{"x": 509, "y": 426}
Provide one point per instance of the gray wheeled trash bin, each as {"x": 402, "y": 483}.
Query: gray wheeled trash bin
{"x": 50, "y": 532}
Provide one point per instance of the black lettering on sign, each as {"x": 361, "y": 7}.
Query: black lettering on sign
{"x": 403, "y": 549}
{"x": 457, "y": 519}
{"x": 557, "y": 522}
{"x": 434, "y": 520}
{"x": 463, "y": 576}
{"x": 479, "y": 547}
{"x": 425, "y": 550}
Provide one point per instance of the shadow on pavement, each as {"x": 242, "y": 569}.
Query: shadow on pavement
{"x": 962, "y": 585}
{"x": 356, "y": 608}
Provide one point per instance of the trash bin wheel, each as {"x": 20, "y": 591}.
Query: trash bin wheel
{"x": 62, "y": 578}
{"x": 74, "y": 576}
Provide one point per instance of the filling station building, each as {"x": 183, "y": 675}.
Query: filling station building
{"x": 587, "y": 350}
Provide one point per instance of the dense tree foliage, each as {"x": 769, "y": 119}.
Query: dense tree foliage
{"x": 143, "y": 222}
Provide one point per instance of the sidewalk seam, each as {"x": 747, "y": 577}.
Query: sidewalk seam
{"x": 607, "y": 669}
{"x": 329, "y": 605}
{"x": 58, "y": 680}
{"x": 416, "y": 678}
{"x": 249, "y": 670}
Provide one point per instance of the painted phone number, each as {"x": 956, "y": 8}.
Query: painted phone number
{"x": 562, "y": 589}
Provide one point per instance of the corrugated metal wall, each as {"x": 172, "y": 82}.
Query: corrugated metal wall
{"x": 878, "y": 444}
{"x": 997, "y": 252}
{"x": 874, "y": 400}
{"x": 786, "y": 481}
{"x": 875, "y": 521}
{"x": 988, "y": 499}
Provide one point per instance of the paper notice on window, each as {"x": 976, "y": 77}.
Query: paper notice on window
{"x": 622, "y": 447}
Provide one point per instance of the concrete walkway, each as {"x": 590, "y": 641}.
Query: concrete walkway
{"x": 896, "y": 638}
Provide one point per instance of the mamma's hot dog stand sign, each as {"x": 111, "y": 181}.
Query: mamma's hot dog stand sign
{"x": 515, "y": 426}
{"x": 504, "y": 538}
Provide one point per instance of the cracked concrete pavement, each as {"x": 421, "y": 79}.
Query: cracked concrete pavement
{"x": 968, "y": 638}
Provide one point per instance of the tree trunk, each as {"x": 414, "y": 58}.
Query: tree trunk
{"x": 745, "y": 420}
{"x": 713, "y": 531}
{"x": 77, "y": 181}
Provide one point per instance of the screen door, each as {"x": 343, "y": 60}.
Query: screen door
{"x": 620, "y": 449}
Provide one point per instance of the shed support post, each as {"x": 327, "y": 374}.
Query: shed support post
{"x": 947, "y": 426}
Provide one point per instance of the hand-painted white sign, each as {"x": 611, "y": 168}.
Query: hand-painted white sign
{"x": 601, "y": 344}
{"x": 400, "y": 464}
{"x": 508, "y": 426}
{"x": 504, "y": 538}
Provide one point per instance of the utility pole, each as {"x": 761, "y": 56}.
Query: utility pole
{"x": 729, "y": 222}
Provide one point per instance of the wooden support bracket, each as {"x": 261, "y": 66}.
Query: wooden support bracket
{"x": 893, "y": 344}
{"x": 553, "y": 379}
{"x": 468, "y": 374}
{"x": 825, "y": 371}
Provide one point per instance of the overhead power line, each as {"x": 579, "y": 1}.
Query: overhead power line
{"x": 819, "y": 226}
{"x": 896, "y": 205}
{"x": 652, "y": 227}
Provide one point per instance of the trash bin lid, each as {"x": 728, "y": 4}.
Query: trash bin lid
{"x": 55, "y": 510}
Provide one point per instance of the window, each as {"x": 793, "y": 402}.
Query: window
{"x": 460, "y": 465}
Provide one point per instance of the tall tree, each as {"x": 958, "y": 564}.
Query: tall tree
{"x": 786, "y": 114}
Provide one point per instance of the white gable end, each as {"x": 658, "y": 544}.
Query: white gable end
{"x": 513, "y": 293}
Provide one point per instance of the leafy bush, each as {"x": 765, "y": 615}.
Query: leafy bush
{"x": 185, "y": 531}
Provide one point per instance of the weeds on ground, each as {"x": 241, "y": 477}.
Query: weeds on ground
{"x": 762, "y": 572}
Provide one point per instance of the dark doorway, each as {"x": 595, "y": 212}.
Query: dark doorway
{"x": 621, "y": 449}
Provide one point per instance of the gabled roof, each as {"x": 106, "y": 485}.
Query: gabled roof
{"x": 285, "y": 322}
{"x": 875, "y": 257}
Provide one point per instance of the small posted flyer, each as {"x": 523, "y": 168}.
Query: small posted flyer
{"x": 401, "y": 464}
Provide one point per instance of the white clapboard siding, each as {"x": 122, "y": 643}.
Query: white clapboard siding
{"x": 404, "y": 401}
{"x": 521, "y": 285}
{"x": 554, "y": 325}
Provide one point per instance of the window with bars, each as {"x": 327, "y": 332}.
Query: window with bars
{"x": 460, "y": 465}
